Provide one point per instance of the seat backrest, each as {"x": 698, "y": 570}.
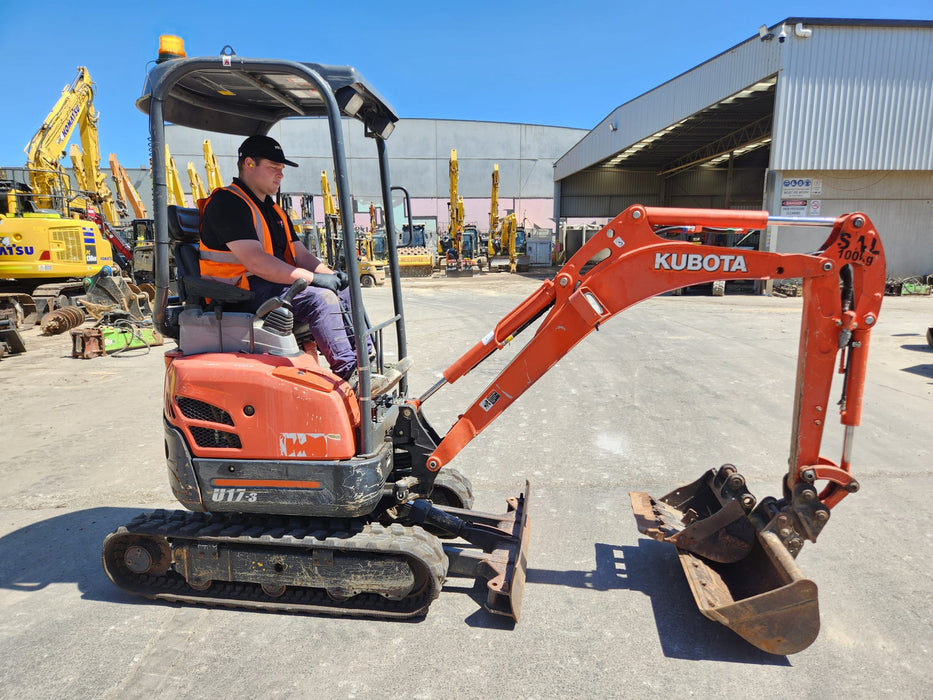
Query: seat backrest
{"x": 184, "y": 225}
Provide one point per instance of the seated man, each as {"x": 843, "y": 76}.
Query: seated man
{"x": 247, "y": 240}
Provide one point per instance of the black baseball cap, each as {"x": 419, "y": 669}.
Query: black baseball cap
{"x": 263, "y": 147}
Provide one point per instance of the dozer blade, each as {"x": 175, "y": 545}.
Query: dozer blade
{"x": 497, "y": 550}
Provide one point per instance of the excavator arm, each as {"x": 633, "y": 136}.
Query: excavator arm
{"x": 493, "y": 212}
{"x": 126, "y": 190}
{"x": 507, "y": 240}
{"x": 47, "y": 146}
{"x": 176, "y": 194}
{"x": 214, "y": 179}
{"x": 74, "y": 110}
{"x": 713, "y": 521}
{"x": 197, "y": 185}
{"x": 636, "y": 264}
{"x": 456, "y": 209}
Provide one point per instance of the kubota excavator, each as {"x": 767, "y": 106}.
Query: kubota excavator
{"x": 305, "y": 495}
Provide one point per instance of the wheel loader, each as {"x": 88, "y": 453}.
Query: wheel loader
{"x": 304, "y": 494}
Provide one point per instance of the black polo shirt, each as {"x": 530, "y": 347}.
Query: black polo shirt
{"x": 228, "y": 218}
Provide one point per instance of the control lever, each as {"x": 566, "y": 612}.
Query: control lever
{"x": 284, "y": 300}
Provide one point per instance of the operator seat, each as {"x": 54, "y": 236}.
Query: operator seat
{"x": 184, "y": 233}
{"x": 196, "y": 292}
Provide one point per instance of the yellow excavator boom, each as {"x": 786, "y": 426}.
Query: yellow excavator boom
{"x": 197, "y": 185}
{"x": 47, "y": 146}
{"x": 74, "y": 110}
{"x": 455, "y": 228}
{"x": 176, "y": 195}
{"x": 214, "y": 179}
{"x": 493, "y": 212}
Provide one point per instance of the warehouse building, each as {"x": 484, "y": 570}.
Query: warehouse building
{"x": 809, "y": 117}
{"x": 419, "y": 155}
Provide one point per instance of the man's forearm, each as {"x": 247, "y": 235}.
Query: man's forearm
{"x": 268, "y": 267}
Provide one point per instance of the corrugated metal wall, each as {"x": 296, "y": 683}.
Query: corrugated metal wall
{"x": 853, "y": 98}
{"x": 607, "y": 191}
{"x": 419, "y": 151}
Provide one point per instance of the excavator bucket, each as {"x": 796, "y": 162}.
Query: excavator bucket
{"x": 707, "y": 517}
{"x": 741, "y": 577}
{"x": 764, "y": 598}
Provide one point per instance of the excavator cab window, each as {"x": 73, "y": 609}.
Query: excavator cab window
{"x": 16, "y": 198}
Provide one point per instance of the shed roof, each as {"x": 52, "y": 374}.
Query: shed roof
{"x": 727, "y": 104}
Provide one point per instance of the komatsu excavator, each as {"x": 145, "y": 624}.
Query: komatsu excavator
{"x": 49, "y": 240}
{"x": 304, "y": 494}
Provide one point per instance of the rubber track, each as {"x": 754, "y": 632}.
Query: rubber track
{"x": 356, "y": 536}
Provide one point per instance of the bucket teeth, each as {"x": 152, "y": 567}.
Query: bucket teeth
{"x": 708, "y": 517}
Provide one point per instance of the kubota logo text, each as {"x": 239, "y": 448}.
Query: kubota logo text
{"x": 695, "y": 262}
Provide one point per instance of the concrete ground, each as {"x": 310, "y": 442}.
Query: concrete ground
{"x": 660, "y": 394}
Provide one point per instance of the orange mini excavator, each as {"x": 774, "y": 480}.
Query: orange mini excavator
{"x": 305, "y": 495}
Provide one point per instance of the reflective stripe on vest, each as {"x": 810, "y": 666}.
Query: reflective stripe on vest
{"x": 223, "y": 266}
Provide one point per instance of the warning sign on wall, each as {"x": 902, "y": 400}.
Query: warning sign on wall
{"x": 793, "y": 207}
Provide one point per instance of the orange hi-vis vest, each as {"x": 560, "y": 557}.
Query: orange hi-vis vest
{"x": 223, "y": 266}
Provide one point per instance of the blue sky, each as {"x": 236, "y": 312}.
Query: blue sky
{"x": 539, "y": 62}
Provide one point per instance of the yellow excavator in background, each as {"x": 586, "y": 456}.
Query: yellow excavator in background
{"x": 48, "y": 241}
{"x": 451, "y": 245}
{"x": 197, "y": 185}
{"x": 331, "y": 223}
{"x": 372, "y": 271}
{"x": 92, "y": 182}
{"x": 127, "y": 194}
{"x": 176, "y": 195}
{"x": 491, "y": 243}
{"x": 302, "y": 217}
{"x": 214, "y": 179}
{"x": 503, "y": 245}
{"x": 142, "y": 235}
{"x": 96, "y": 199}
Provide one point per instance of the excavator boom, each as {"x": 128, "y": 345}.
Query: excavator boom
{"x": 214, "y": 179}
{"x": 712, "y": 521}
{"x": 176, "y": 195}
{"x": 126, "y": 190}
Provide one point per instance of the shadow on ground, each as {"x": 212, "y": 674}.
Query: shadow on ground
{"x": 62, "y": 549}
{"x": 652, "y": 568}
{"x": 67, "y": 548}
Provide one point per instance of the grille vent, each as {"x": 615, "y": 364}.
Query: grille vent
{"x": 205, "y": 437}
{"x": 193, "y": 409}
